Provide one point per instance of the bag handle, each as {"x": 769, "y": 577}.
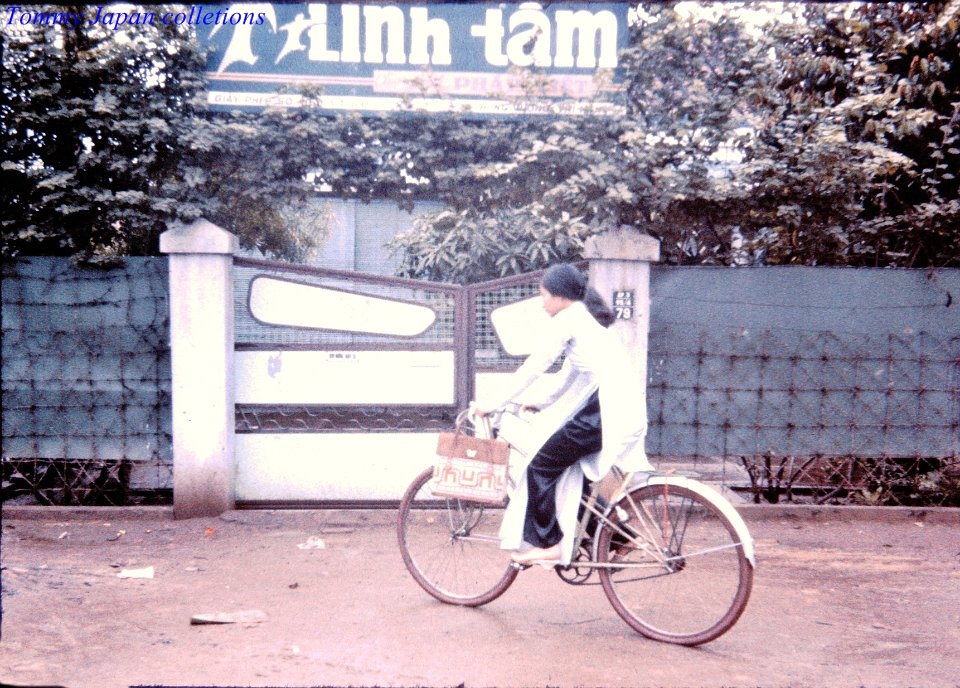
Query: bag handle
{"x": 484, "y": 424}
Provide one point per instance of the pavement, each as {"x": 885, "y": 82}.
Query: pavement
{"x": 843, "y": 596}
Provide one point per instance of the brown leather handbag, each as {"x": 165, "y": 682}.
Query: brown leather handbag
{"x": 471, "y": 469}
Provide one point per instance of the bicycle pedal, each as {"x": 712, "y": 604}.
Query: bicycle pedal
{"x": 518, "y": 566}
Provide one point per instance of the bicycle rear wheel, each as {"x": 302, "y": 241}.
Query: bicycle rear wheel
{"x": 684, "y": 577}
{"x": 451, "y": 547}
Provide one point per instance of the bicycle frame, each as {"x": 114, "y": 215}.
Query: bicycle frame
{"x": 592, "y": 507}
{"x": 591, "y": 502}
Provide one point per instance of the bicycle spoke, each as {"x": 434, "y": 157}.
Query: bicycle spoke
{"x": 702, "y": 579}
{"x": 451, "y": 547}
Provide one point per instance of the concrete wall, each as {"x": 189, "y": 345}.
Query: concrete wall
{"x": 86, "y": 364}
{"x": 800, "y": 361}
{"x": 804, "y": 361}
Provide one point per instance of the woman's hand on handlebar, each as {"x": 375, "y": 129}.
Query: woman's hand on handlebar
{"x": 483, "y": 412}
{"x": 480, "y": 411}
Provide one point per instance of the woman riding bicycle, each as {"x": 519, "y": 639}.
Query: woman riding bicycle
{"x": 592, "y": 416}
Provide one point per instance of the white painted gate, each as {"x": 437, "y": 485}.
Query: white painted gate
{"x": 343, "y": 380}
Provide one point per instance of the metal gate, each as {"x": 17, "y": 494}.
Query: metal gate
{"x": 344, "y": 379}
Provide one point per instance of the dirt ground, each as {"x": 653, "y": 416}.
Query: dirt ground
{"x": 839, "y": 600}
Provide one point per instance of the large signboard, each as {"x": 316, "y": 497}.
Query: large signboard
{"x": 483, "y": 58}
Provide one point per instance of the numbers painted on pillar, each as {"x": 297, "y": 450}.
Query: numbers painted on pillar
{"x": 623, "y": 305}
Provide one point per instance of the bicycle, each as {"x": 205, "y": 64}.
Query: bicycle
{"x": 675, "y": 559}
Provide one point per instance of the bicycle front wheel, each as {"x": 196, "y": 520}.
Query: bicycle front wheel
{"x": 678, "y": 572}
{"x": 451, "y": 547}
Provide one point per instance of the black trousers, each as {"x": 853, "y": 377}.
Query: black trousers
{"x": 579, "y": 437}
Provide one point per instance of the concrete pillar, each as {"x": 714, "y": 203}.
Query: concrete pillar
{"x": 202, "y": 360}
{"x": 620, "y": 270}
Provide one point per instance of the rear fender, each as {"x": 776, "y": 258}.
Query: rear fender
{"x": 718, "y": 500}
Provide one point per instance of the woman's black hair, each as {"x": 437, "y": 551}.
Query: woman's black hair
{"x": 598, "y": 308}
{"x": 566, "y": 281}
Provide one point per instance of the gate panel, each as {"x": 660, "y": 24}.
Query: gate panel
{"x": 345, "y": 377}
{"x": 342, "y": 381}
{"x": 276, "y": 468}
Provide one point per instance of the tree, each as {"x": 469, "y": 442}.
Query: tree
{"x": 89, "y": 135}
{"x": 827, "y": 138}
{"x": 855, "y": 161}
{"x": 561, "y": 181}
{"x": 105, "y": 142}
{"x": 694, "y": 80}
{"x": 531, "y": 206}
